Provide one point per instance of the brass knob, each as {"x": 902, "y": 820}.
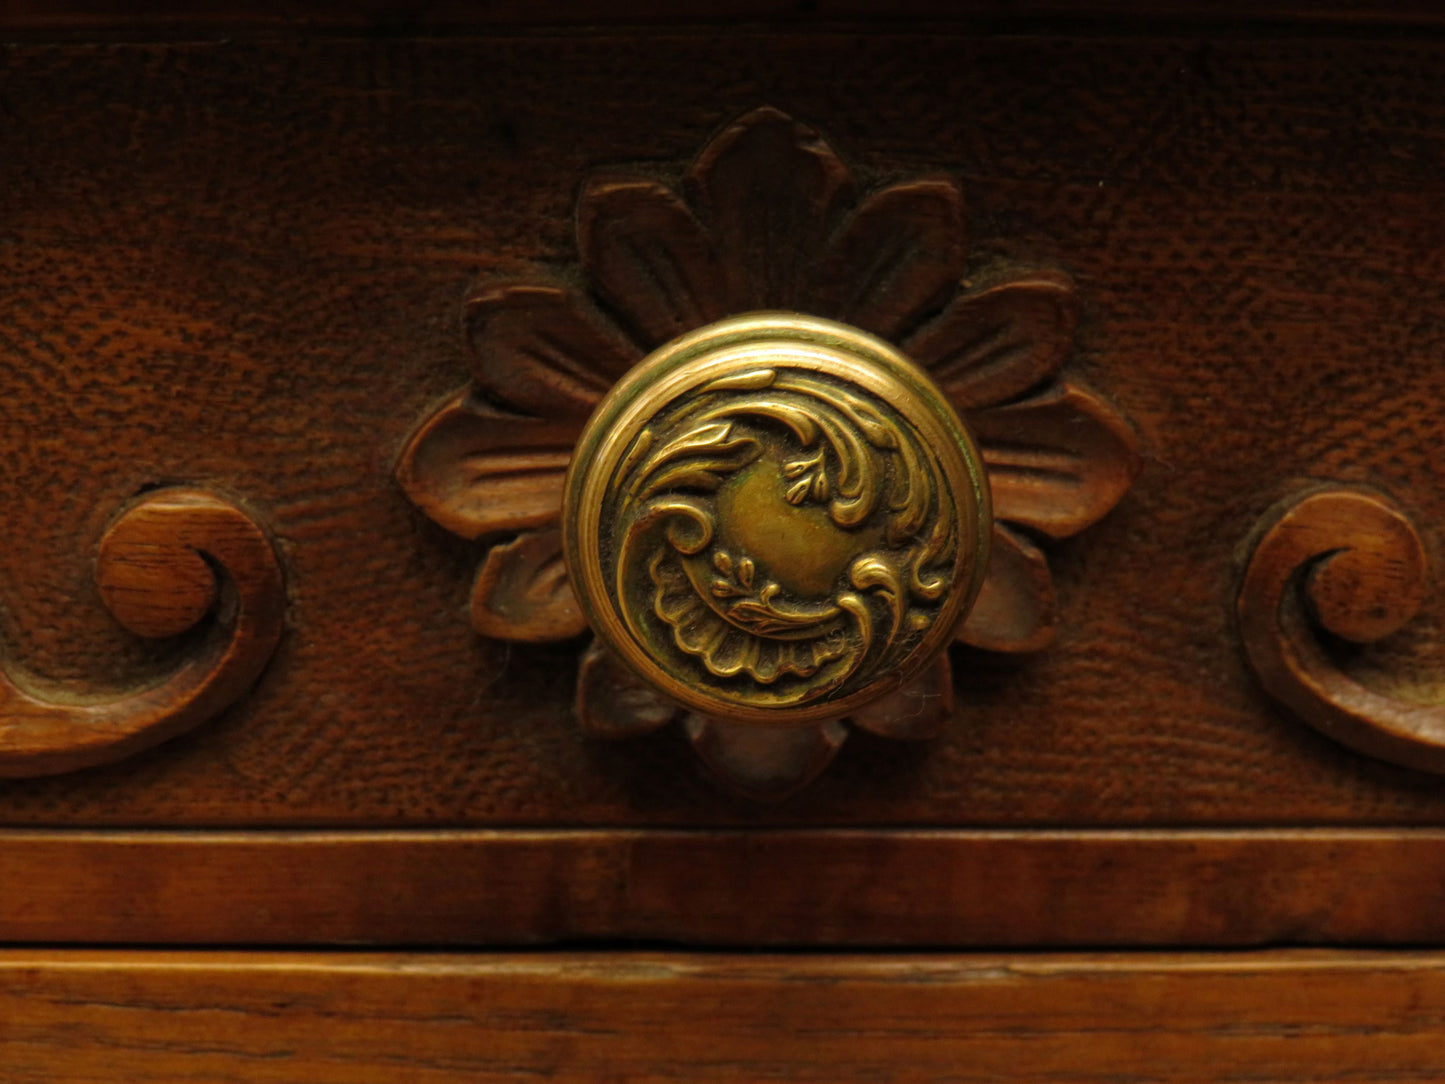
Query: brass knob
{"x": 776, "y": 519}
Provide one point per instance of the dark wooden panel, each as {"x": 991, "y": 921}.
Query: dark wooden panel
{"x": 726, "y": 888}
{"x": 298, "y": 17}
{"x": 241, "y": 264}
{"x": 139, "y": 1017}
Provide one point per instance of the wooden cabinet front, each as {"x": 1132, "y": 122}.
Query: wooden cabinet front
{"x": 1184, "y": 281}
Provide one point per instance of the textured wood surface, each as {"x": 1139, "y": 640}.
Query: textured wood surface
{"x": 808, "y": 888}
{"x": 243, "y": 264}
{"x": 96, "y": 1016}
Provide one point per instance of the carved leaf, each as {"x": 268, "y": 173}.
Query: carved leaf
{"x": 477, "y": 470}
{"x": 916, "y": 712}
{"x": 649, "y": 257}
{"x": 996, "y": 342}
{"x": 764, "y": 763}
{"x": 1014, "y": 611}
{"x": 523, "y": 593}
{"x": 544, "y": 351}
{"x": 1057, "y": 461}
{"x": 698, "y": 459}
{"x": 898, "y": 256}
{"x": 770, "y": 190}
{"x": 613, "y": 702}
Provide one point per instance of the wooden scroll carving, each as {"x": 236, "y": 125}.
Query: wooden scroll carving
{"x": 766, "y": 217}
{"x": 1349, "y": 562}
{"x": 174, "y": 559}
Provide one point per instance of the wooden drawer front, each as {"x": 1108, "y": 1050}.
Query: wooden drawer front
{"x": 240, "y": 266}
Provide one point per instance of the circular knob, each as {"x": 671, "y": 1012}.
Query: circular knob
{"x": 776, "y": 519}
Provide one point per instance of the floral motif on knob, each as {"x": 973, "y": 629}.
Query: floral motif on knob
{"x": 766, "y": 217}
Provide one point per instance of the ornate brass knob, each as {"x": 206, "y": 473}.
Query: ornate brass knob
{"x": 776, "y": 519}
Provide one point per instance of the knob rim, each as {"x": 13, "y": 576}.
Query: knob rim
{"x": 736, "y": 348}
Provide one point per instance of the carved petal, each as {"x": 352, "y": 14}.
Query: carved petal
{"x": 998, "y": 341}
{"x": 613, "y": 702}
{"x": 543, "y": 350}
{"x": 476, "y": 470}
{"x": 770, "y": 189}
{"x": 648, "y": 256}
{"x": 764, "y": 763}
{"x": 1014, "y": 610}
{"x": 1056, "y": 461}
{"x": 522, "y": 591}
{"x": 900, "y": 254}
{"x": 917, "y": 711}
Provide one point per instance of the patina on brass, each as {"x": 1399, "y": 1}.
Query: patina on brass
{"x": 776, "y": 518}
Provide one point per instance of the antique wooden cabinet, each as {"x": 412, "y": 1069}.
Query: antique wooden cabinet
{"x": 341, "y": 740}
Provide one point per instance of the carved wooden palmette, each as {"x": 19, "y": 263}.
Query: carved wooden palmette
{"x": 766, "y": 217}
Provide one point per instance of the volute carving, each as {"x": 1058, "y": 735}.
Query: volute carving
{"x": 172, "y": 560}
{"x": 1348, "y": 562}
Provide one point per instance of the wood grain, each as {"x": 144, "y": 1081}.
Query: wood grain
{"x": 243, "y": 264}
{"x": 81, "y": 1017}
{"x": 782, "y": 888}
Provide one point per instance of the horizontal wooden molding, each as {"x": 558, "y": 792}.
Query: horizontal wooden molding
{"x": 780, "y": 888}
{"x": 436, "y": 1018}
